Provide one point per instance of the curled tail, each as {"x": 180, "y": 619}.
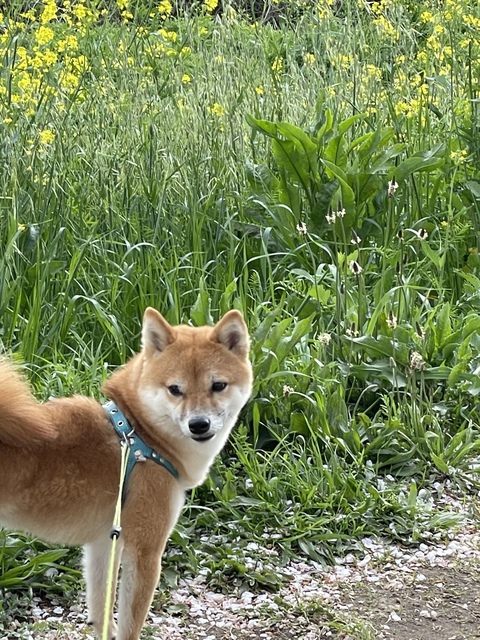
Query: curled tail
{"x": 23, "y": 420}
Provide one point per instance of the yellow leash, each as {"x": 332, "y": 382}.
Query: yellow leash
{"x": 115, "y": 534}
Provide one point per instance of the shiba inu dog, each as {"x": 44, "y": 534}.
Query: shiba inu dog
{"x": 60, "y": 461}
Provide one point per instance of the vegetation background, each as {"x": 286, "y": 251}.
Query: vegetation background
{"x": 313, "y": 164}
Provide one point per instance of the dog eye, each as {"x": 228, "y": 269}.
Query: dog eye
{"x": 175, "y": 390}
{"x": 218, "y": 386}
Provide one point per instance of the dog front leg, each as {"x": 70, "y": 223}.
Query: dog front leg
{"x": 140, "y": 575}
{"x": 96, "y": 565}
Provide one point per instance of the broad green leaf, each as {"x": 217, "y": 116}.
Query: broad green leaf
{"x": 422, "y": 161}
{"x": 474, "y": 188}
{"x": 261, "y": 178}
{"x": 335, "y": 152}
{"x": 225, "y": 300}
{"x": 372, "y": 145}
{"x": 383, "y": 162}
{"x": 412, "y": 494}
{"x": 346, "y": 124}
{"x": 200, "y": 312}
{"x": 294, "y": 160}
{"x": 383, "y": 346}
{"x": 326, "y": 126}
{"x": 437, "y": 259}
{"x": 323, "y": 198}
{"x": 262, "y": 126}
{"x": 455, "y": 374}
{"x": 443, "y": 326}
{"x": 348, "y": 196}
{"x": 439, "y": 463}
{"x": 302, "y": 141}
{"x": 366, "y": 185}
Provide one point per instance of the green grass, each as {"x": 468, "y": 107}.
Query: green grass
{"x": 189, "y": 163}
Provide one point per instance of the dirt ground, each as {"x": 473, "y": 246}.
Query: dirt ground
{"x": 436, "y": 603}
{"x": 427, "y": 603}
{"x": 439, "y": 604}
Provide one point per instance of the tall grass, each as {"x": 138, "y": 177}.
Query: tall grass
{"x": 190, "y": 163}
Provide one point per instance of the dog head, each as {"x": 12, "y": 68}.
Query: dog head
{"x": 194, "y": 381}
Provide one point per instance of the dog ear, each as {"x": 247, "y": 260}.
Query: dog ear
{"x": 232, "y": 332}
{"x": 156, "y": 332}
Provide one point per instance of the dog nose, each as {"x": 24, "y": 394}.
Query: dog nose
{"x": 199, "y": 426}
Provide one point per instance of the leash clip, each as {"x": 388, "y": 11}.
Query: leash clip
{"x": 115, "y": 533}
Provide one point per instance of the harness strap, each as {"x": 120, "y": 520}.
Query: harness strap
{"x": 138, "y": 450}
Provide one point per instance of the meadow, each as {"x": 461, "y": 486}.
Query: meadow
{"x": 313, "y": 164}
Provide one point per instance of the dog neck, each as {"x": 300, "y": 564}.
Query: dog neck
{"x": 138, "y": 451}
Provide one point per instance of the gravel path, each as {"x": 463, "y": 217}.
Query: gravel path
{"x": 425, "y": 592}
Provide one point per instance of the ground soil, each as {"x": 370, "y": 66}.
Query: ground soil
{"x": 434, "y": 603}
{"x": 443, "y": 605}
{"x": 427, "y": 603}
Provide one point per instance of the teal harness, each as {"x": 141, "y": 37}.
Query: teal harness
{"x": 138, "y": 451}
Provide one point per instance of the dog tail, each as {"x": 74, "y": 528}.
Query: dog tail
{"x": 23, "y": 421}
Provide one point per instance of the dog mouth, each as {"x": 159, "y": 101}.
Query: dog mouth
{"x": 203, "y": 437}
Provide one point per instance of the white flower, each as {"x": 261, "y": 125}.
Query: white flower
{"x": 355, "y": 238}
{"x": 302, "y": 228}
{"x": 331, "y": 217}
{"x": 422, "y": 234}
{"x": 417, "y": 362}
{"x": 352, "y": 331}
{"x": 392, "y": 321}
{"x": 355, "y": 267}
{"x": 325, "y": 338}
{"x": 392, "y": 187}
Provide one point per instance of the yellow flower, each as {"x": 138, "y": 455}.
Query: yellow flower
{"x": 49, "y": 12}
{"x": 168, "y": 36}
{"x": 44, "y": 35}
{"x": 459, "y": 156}
{"x": 259, "y": 90}
{"x": 80, "y": 11}
{"x": 70, "y": 43}
{"x": 210, "y": 5}
{"x": 386, "y": 27}
{"x": 309, "y": 59}
{"x": 70, "y": 81}
{"x": 216, "y": 109}
{"x": 50, "y": 58}
{"x": 374, "y": 72}
{"x": 186, "y": 78}
{"x": 277, "y": 65}
{"x": 165, "y": 8}
{"x": 426, "y": 16}
{"x": 46, "y": 136}
{"x": 24, "y": 81}
{"x": 422, "y": 57}
{"x": 423, "y": 88}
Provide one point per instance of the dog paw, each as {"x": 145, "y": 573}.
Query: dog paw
{"x": 112, "y": 629}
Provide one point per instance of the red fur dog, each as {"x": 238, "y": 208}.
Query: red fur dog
{"x": 60, "y": 461}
